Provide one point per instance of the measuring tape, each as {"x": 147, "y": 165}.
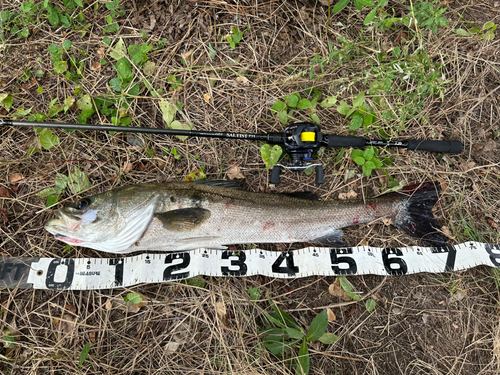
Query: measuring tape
{"x": 106, "y": 273}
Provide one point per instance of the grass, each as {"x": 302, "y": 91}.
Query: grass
{"x": 223, "y": 67}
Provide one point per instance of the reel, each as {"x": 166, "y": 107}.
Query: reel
{"x": 301, "y": 140}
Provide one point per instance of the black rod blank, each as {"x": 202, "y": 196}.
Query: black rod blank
{"x": 452, "y": 147}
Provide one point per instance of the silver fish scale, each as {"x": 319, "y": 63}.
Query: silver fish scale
{"x": 234, "y": 223}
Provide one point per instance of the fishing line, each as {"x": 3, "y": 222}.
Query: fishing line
{"x": 108, "y": 273}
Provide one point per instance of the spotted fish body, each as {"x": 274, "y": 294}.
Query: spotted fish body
{"x": 184, "y": 216}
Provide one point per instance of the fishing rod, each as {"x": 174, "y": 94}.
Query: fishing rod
{"x": 300, "y": 140}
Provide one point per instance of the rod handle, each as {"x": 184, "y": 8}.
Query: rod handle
{"x": 343, "y": 141}
{"x": 450, "y": 147}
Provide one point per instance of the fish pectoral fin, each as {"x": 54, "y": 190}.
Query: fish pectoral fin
{"x": 197, "y": 242}
{"x": 184, "y": 219}
{"x": 333, "y": 239}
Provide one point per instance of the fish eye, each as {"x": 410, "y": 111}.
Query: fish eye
{"x": 82, "y": 204}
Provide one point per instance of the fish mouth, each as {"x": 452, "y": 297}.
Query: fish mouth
{"x": 56, "y": 227}
{"x": 68, "y": 240}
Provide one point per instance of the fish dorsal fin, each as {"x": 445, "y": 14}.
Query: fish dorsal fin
{"x": 184, "y": 219}
{"x": 237, "y": 185}
{"x": 308, "y": 195}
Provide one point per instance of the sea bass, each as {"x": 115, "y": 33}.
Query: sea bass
{"x": 184, "y": 216}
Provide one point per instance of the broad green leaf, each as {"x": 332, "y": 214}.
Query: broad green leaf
{"x": 462, "y": 32}
{"x": 237, "y": 35}
{"x": 352, "y": 111}
{"x": 328, "y": 338}
{"x": 370, "y": 304}
{"x": 134, "y": 89}
{"x": 377, "y": 162}
{"x": 80, "y": 4}
{"x": 278, "y": 106}
{"x": 488, "y": 25}
{"x": 315, "y": 118}
{"x": 78, "y": 181}
{"x": 168, "y": 110}
{"x": 86, "y": 348}
{"x": 329, "y": 102}
{"x": 149, "y": 68}
{"x": 304, "y": 104}
{"x": 124, "y": 69}
{"x": 303, "y": 360}
{"x": 137, "y": 54}
{"x": 116, "y": 84}
{"x": 370, "y": 164}
{"x": 45, "y": 193}
{"x": 68, "y": 103}
{"x": 52, "y": 200}
{"x": 318, "y": 326}
{"x": 21, "y": 112}
{"x": 133, "y": 298}
{"x": 358, "y": 101}
{"x": 367, "y": 119}
{"x": 61, "y": 183}
{"x": 343, "y": 108}
{"x": 340, "y": 5}
{"x": 367, "y": 171}
{"x": 180, "y": 126}
{"x": 292, "y": 100}
{"x": 356, "y": 122}
{"x": 359, "y": 160}
{"x": 254, "y": 293}
{"x": 369, "y": 18}
{"x": 474, "y": 30}
{"x": 48, "y": 140}
{"x": 368, "y": 3}
{"x": 294, "y": 333}
{"x": 346, "y": 285}
{"x": 283, "y": 117}
{"x": 6, "y": 100}
{"x": 356, "y": 153}
{"x": 60, "y": 67}
{"x": 67, "y": 44}
{"x": 84, "y": 103}
{"x": 368, "y": 154}
{"x": 119, "y": 50}
{"x": 270, "y": 155}
{"x": 316, "y": 94}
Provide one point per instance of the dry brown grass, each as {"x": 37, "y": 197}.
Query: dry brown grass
{"x": 423, "y": 324}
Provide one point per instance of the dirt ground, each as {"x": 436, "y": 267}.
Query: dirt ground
{"x": 422, "y": 324}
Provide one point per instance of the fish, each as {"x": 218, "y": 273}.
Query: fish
{"x": 179, "y": 216}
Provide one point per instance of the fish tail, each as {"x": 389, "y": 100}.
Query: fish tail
{"x": 416, "y": 217}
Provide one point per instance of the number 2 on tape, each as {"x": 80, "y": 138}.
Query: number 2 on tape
{"x": 168, "y": 272}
